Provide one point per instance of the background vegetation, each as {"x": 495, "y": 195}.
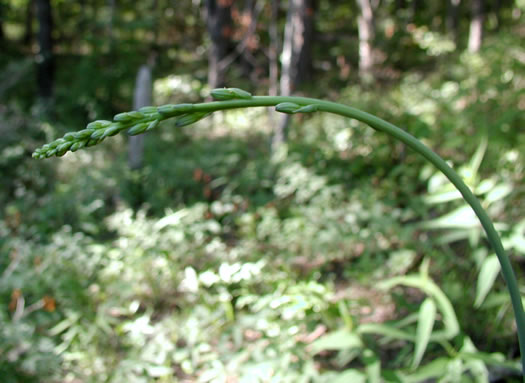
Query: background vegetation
{"x": 250, "y": 248}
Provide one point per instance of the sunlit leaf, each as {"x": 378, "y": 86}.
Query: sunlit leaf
{"x": 338, "y": 340}
{"x": 490, "y": 269}
{"x": 427, "y": 316}
{"x": 373, "y": 366}
{"x": 353, "y": 376}
{"x": 430, "y": 288}
{"x": 385, "y": 330}
{"x": 476, "y": 365}
{"x": 498, "y": 193}
{"x": 432, "y": 370}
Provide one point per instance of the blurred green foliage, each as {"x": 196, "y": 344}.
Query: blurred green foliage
{"x": 342, "y": 258}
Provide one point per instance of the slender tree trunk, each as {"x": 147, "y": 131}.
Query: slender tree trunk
{"x": 219, "y": 23}
{"x": 141, "y": 97}
{"x": 28, "y": 23}
{"x": 452, "y": 21}
{"x": 415, "y": 8}
{"x": 274, "y": 48}
{"x": 248, "y": 16}
{"x": 296, "y": 55}
{"x": 365, "y": 23}
{"x": 476, "y": 26}
{"x": 45, "y": 59}
{"x": 2, "y": 11}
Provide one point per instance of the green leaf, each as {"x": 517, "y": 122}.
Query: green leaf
{"x": 494, "y": 359}
{"x": 476, "y": 366}
{"x": 430, "y": 288}
{"x": 498, "y": 193}
{"x": 373, "y": 366}
{"x": 338, "y": 340}
{"x": 490, "y": 269}
{"x": 425, "y": 324}
{"x": 432, "y": 370}
{"x": 385, "y": 330}
{"x": 354, "y": 376}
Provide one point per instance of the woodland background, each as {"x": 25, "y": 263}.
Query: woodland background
{"x": 253, "y": 247}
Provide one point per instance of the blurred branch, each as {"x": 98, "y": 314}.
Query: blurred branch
{"x": 241, "y": 47}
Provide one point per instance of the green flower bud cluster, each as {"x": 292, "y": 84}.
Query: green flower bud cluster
{"x": 293, "y": 108}
{"x": 140, "y": 121}
{"x": 223, "y": 94}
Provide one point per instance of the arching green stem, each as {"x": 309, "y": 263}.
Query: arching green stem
{"x": 234, "y": 98}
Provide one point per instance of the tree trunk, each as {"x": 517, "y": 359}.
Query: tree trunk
{"x": 2, "y": 38}
{"x": 45, "y": 59}
{"x": 274, "y": 48}
{"x": 28, "y": 23}
{"x": 2, "y": 16}
{"x": 452, "y": 22}
{"x": 400, "y": 4}
{"x": 365, "y": 24}
{"x": 141, "y": 97}
{"x": 415, "y": 8}
{"x": 219, "y": 24}
{"x": 296, "y": 55}
{"x": 476, "y": 26}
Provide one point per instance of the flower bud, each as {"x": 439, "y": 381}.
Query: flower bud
{"x": 136, "y": 115}
{"x": 77, "y": 145}
{"x": 63, "y": 148}
{"x": 99, "y": 124}
{"x": 190, "y": 118}
{"x": 97, "y": 134}
{"x": 82, "y": 134}
{"x": 123, "y": 117}
{"x": 148, "y": 109}
{"x": 308, "y": 108}
{"x": 152, "y": 125}
{"x": 287, "y": 107}
{"x": 50, "y": 153}
{"x": 112, "y": 130}
{"x": 223, "y": 94}
{"x": 137, "y": 129}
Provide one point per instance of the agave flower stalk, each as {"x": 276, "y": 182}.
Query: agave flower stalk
{"x": 148, "y": 118}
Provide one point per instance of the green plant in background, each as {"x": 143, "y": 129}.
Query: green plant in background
{"x": 148, "y": 118}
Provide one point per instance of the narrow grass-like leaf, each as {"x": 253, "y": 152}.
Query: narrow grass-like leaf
{"x": 352, "y": 375}
{"x": 430, "y": 288}
{"x": 385, "y": 330}
{"x": 338, "y": 340}
{"x": 428, "y": 372}
{"x": 425, "y": 324}
{"x": 373, "y": 366}
{"x": 490, "y": 269}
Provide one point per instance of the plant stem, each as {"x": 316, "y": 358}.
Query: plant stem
{"x": 412, "y": 142}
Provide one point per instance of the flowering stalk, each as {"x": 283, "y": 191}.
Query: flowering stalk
{"x": 148, "y": 118}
